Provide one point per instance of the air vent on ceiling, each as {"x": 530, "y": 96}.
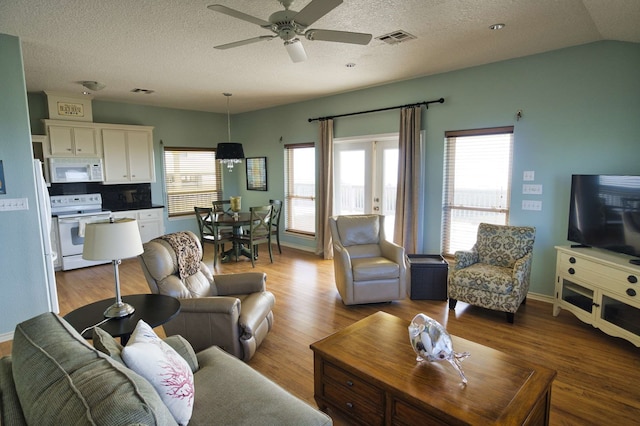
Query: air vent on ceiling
{"x": 143, "y": 91}
{"x": 396, "y": 37}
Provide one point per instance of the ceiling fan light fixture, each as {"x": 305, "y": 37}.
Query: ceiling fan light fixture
{"x": 296, "y": 50}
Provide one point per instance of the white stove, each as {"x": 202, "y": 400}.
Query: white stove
{"x": 66, "y": 205}
{"x": 73, "y": 213}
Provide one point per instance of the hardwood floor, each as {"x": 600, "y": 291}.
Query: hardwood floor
{"x": 598, "y": 375}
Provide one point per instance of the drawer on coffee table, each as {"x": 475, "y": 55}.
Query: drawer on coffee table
{"x": 352, "y": 395}
{"x": 361, "y": 410}
{"x": 406, "y": 414}
{"x": 354, "y": 384}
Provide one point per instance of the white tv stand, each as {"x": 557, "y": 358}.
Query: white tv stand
{"x": 601, "y": 288}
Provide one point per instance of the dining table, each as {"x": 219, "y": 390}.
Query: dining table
{"x": 236, "y": 220}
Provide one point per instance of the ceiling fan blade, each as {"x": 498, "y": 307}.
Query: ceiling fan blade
{"x": 295, "y": 49}
{"x": 243, "y": 42}
{"x": 314, "y": 11}
{"x": 237, "y": 14}
{"x": 338, "y": 36}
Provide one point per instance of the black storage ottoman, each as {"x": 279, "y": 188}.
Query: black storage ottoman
{"x": 428, "y": 276}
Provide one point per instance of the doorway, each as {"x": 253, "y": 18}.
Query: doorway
{"x": 366, "y": 176}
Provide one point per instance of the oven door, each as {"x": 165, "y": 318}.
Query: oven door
{"x": 71, "y": 237}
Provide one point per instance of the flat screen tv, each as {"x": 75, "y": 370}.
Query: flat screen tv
{"x": 604, "y": 212}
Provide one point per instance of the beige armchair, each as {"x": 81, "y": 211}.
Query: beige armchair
{"x": 231, "y": 311}
{"x": 495, "y": 273}
{"x": 368, "y": 268}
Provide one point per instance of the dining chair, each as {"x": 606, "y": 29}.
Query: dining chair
{"x": 210, "y": 233}
{"x": 219, "y": 206}
{"x": 275, "y": 223}
{"x": 223, "y": 206}
{"x": 259, "y": 231}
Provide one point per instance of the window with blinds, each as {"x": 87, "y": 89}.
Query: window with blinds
{"x": 300, "y": 188}
{"x": 193, "y": 178}
{"x": 477, "y": 184}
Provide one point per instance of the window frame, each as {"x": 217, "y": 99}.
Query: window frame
{"x": 448, "y": 192}
{"x": 215, "y": 194}
{"x": 289, "y": 197}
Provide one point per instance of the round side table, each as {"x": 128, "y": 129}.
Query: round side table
{"x": 154, "y": 309}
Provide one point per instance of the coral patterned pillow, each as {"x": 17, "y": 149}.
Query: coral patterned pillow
{"x": 164, "y": 368}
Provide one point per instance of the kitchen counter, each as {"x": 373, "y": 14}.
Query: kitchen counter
{"x": 124, "y": 208}
{"x": 150, "y": 219}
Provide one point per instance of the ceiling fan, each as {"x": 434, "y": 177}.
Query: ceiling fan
{"x": 289, "y": 24}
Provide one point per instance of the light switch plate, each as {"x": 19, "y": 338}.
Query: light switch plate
{"x": 532, "y": 205}
{"x": 9, "y": 204}
{"x": 529, "y": 188}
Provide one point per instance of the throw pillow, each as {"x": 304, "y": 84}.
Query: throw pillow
{"x": 184, "y": 349}
{"x": 164, "y": 368}
{"x": 106, "y": 344}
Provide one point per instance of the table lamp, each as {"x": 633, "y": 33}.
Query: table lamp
{"x": 113, "y": 240}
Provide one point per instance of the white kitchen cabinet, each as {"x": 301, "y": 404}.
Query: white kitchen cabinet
{"x": 69, "y": 140}
{"x": 150, "y": 222}
{"x": 128, "y": 154}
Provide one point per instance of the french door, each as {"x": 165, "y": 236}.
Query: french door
{"x": 365, "y": 177}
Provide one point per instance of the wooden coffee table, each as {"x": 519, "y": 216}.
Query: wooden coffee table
{"x": 369, "y": 373}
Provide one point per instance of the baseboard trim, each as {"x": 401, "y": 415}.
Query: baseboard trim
{"x": 296, "y": 246}
{"x": 5, "y": 337}
{"x": 540, "y": 297}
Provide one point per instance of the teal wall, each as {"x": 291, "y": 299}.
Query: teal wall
{"x": 580, "y": 115}
{"x": 21, "y": 260}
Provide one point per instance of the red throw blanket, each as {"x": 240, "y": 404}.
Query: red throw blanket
{"x": 187, "y": 253}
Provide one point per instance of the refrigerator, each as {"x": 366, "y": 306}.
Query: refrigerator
{"x": 43, "y": 206}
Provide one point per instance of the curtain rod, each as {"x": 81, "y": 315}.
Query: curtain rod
{"x": 439, "y": 101}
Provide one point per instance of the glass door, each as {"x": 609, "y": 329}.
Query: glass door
{"x": 365, "y": 178}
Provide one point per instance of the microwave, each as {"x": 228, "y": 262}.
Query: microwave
{"x": 74, "y": 169}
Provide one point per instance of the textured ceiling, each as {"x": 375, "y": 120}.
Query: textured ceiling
{"x": 167, "y": 45}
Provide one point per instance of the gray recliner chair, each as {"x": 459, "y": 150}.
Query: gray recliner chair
{"x": 368, "y": 268}
{"x": 232, "y": 311}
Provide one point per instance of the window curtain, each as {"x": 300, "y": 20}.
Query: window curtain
{"x": 325, "y": 190}
{"x": 406, "y": 224}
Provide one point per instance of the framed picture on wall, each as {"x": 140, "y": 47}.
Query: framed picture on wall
{"x": 256, "y": 173}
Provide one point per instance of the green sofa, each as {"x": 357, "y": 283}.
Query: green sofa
{"x": 55, "y": 377}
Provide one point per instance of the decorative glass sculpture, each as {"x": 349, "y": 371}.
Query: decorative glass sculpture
{"x": 433, "y": 343}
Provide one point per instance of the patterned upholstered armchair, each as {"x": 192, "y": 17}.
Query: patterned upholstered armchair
{"x": 495, "y": 273}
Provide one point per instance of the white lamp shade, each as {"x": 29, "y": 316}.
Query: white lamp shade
{"x": 119, "y": 239}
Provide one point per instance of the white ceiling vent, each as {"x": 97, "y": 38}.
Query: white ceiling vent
{"x": 143, "y": 91}
{"x": 396, "y": 37}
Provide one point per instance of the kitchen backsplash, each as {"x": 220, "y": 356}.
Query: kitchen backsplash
{"x": 114, "y": 197}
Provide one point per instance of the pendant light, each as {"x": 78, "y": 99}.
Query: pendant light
{"x": 229, "y": 153}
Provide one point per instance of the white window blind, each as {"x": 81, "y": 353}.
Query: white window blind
{"x": 300, "y": 188}
{"x": 192, "y": 178}
{"x": 477, "y": 184}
